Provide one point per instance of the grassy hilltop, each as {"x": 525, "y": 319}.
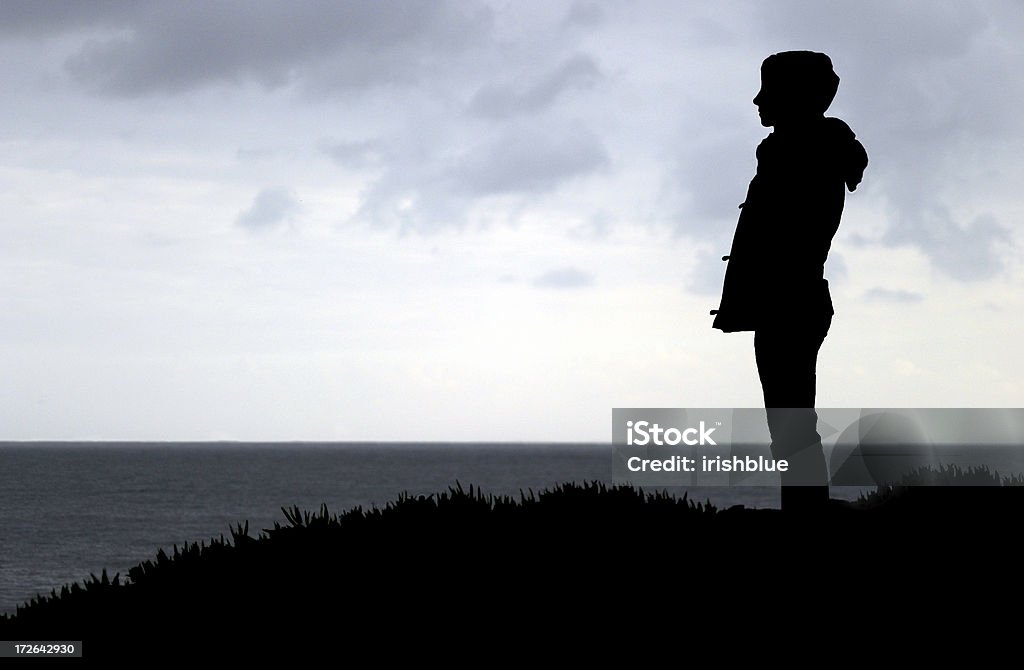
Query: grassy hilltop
{"x": 463, "y": 563}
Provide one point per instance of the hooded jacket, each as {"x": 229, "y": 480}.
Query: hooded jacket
{"x": 792, "y": 210}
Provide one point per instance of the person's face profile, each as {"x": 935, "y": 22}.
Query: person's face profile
{"x": 778, "y": 102}
{"x": 767, "y": 104}
{"x": 764, "y": 107}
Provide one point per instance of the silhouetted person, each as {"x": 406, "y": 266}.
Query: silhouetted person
{"x": 774, "y": 282}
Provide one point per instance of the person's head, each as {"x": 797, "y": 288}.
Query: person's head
{"x": 796, "y": 86}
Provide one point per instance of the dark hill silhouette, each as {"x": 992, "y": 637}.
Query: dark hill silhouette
{"x": 461, "y": 566}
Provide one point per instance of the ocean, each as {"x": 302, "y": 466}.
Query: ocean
{"x": 68, "y": 510}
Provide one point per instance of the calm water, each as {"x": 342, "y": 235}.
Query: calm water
{"x": 68, "y": 510}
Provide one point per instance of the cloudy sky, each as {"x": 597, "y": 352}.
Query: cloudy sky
{"x": 478, "y": 219}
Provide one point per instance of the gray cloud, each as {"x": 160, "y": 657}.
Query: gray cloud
{"x": 922, "y": 85}
{"x": 30, "y": 18}
{"x": 891, "y": 295}
{"x": 424, "y": 192}
{"x": 270, "y": 207}
{"x": 564, "y": 278}
{"x": 497, "y": 102}
{"x": 527, "y": 160}
{"x": 254, "y": 154}
{"x": 354, "y": 155}
{"x": 971, "y": 252}
{"x": 879, "y": 31}
{"x": 595, "y": 228}
{"x": 586, "y": 14}
{"x": 173, "y": 47}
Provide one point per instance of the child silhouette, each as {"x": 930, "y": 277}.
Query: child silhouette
{"x": 774, "y": 282}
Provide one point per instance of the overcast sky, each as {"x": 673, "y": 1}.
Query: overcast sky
{"x": 476, "y": 220}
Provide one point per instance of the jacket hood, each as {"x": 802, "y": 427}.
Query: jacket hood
{"x": 849, "y": 152}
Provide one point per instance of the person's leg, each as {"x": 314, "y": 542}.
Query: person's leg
{"x": 786, "y": 361}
